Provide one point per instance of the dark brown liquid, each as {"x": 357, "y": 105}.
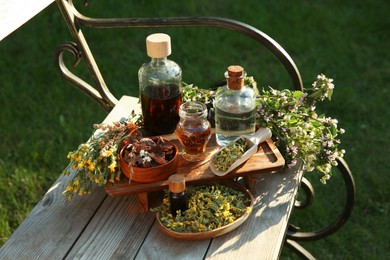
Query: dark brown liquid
{"x": 194, "y": 140}
{"x": 178, "y": 201}
{"x": 160, "y": 108}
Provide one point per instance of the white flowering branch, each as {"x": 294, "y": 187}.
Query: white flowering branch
{"x": 298, "y": 131}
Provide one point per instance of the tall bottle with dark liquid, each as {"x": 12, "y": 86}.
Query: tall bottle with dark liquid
{"x": 235, "y": 106}
{"x": 160, "y": 87}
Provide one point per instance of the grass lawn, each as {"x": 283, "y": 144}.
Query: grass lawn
{"x": 42, "y": 117}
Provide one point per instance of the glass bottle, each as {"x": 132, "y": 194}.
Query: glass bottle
{"x": 193, "y": 130}
{"x": 160, "y": 86}
{"x": 177, "y": 194}
{"x": 235, "y": 106}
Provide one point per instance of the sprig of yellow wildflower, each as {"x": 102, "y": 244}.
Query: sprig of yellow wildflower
{"x": 96, "y": 161}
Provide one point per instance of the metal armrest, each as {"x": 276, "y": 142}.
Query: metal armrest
{"x": 100, "y": 92}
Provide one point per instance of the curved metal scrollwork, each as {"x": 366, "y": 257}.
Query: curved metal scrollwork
{"x": 293, "y": 233}
{"x": 76, "y": 20}
{"x": 309, "y": 195}
{"x": 73, "y": 79}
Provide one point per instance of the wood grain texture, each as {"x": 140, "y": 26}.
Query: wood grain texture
{"x": 103, "y": 227}
{"x": 267, "y": 158}
{"x": 262, "y": 235}
{"x": 160, "y": 246}
{"x": 53, "y": 226}
{"x": 116, "y": 232}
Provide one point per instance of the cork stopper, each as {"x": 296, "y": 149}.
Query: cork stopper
{"x": 235, "y": 77}
{"x": 235, "y": 71}
{"x": 177, "y": 183}
{"x": 158, "y": 45}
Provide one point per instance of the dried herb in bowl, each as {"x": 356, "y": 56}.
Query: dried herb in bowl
{"x": 229, "y": 154}
{"x": 209, "y": 207}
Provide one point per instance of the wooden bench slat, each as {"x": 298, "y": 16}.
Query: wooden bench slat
{"x": 99, "y": 226}
{"x": 274, "y": 197}
{"x": 117, "y": 231}
{"x": 160, "y": 246}
{"x": 52, "y": 227}
{"x": 265, "y": 228}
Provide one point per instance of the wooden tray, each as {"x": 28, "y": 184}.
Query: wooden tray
{"x": 267, "y": 158}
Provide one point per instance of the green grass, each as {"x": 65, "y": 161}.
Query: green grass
{"x": 42, "y": 117}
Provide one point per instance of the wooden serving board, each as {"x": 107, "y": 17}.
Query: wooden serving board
{"x": 267, "y": 159}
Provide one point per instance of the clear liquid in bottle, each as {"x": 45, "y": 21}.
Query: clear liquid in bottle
{"x": 231, "y": 124}
{"x": 235, "y": 106}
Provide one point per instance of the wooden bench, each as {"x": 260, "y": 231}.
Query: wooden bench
{"x": 99, "y": 226}
{"x": 102, "y": 226}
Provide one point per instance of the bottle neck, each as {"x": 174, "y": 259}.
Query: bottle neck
{"x": 235, "y": 83}
{"x": 158, "y": 60}
{"x": 192, "y": 110}
{"x": 235, "y": 87}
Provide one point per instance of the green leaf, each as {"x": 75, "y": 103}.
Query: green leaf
{"x": 297, "y": 94}
{"x": 330, "y": 92}
{"x": 316, "y": 123}
{"x": 333, "y": 130}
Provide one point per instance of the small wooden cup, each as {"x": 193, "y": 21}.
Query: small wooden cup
{"x": 152, "y": 174}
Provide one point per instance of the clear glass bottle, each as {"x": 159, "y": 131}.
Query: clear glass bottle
{"x": 235, "y": 106}
{"x": 177, "y": 194}
{"x": 193, "y": 130}
{"x": 160, "y": 86}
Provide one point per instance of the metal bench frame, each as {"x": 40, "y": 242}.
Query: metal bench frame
{"x": 102, "y": 95}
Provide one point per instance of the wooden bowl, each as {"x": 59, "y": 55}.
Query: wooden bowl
{"x": 152, "y": 174}
{"x": 216, "y": 232}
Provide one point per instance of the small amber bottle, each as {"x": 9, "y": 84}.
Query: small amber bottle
{"x": 177, "y": 194}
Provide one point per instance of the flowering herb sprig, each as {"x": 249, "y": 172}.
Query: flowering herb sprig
{"x": 96, "y": 161}
{"x": 298, "y": 131}
{"x": 194, "y": 93}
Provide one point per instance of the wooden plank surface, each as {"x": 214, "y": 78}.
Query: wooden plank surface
{"x": 160, "y": 246}
{"x": 53, "y": 226}
{"x": 260, "y": 237}
{"x": 102, "y": 227}
{"x": 116, "y": 232}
